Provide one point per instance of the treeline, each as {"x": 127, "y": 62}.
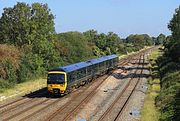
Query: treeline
{"x": 168, "y": 100}
{"x": 29, "y": 45}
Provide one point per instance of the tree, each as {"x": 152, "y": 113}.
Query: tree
{"x": 25, "y": 24}
{"x": 91, "y": 35}
{"x": 73, "y": 47}
{"x": 140, "y": 40}
{"x": 160, "y": 39}
{"x": 30, "y": 27}
{"x": 9, "y": 62}
{"x": 174, "y": 25}
{"x": 174, "y": 44}
{"x": 166, "y": 43}
{"x": 113, "y": 42}
{"x": 154, "y": 39}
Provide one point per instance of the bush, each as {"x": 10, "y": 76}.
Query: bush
{"x": 4, "y": 84}
{"x": 169, "y": 98}
{"x": 9, "y": 62}
{"x": 163, "y": 60}
{"x": 170, "y": 79}
{"x": 166, "y": 102}
{"x": 168, "y": 68}
{"x": 31, "y": 67}
{"x": 73, "y": 47}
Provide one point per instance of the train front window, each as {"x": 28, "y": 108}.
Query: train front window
{"x": 56, "y": 78}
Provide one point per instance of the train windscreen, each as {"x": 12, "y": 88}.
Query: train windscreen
{"x": 56, "y": 78}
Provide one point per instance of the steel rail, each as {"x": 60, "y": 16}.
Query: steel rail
{"x": 82, "y": 102}
{"x": 119, "y": 96}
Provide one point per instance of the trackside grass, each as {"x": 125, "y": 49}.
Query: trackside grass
{"x": 23, "y": 88}
{"x": 149, "y": 111}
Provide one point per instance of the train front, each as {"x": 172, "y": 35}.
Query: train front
{"x": 56, "y": 82}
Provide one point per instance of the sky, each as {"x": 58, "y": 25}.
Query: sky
{"x": 123, "y": 17}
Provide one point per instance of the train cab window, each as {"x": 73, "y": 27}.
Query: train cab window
{"x": 56, "y": 78}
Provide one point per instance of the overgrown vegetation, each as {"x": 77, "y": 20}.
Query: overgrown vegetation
{"x": 149, "y": 111}
{"x": 29, "y": 45}
{"x": 168, "y": 71}
{"x": 168, "y": 101}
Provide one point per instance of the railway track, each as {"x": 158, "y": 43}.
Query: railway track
{"x": 13, "y": 105}
{"x": 73, "y": 112}
{"x": 68, "y": 109}
{"x": 121, "y": 101}
{"x": 26, "y": 109}
{"x": 19, "y": 103}
{"x": 18, "y": 100}
{"x": 6, "y": 110}
{"x": 117, "y": 118}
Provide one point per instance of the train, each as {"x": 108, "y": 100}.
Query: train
{"x": 62, "y": 79}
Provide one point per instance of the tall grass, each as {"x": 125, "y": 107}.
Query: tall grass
{"x": 150, "y": 111}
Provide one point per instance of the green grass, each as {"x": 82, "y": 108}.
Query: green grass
{"x": 24, "y": 88}
{"x": 150, "y": 111}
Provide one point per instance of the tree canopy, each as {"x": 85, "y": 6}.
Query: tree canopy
{"x": 140, "y": 40}
{"x": 25, "y": 24}
{"x": 174, "y": 44}
{"x": 73, "y": 47}
{"x": 160, "y": 39}
{"x": 169, "y": 68}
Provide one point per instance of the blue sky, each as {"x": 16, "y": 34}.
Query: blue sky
{"x": 123, "y": 17}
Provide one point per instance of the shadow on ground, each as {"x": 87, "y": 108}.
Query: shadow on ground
{"x": 42, "y": 93}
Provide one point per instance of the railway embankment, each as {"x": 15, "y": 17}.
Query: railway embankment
{"x": 22, "y": 89}
{"x": 150, "y": 111}
{"x": 163, "y": 98}
{"x": 168, "y": 100}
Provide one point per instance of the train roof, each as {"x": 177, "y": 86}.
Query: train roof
{"x": 76, "y": 66}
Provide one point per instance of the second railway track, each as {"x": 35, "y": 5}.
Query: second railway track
{"x": 72, "y": 108}
{"x": 117, "y": 106}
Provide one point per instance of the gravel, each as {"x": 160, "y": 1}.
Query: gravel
{"x": 137, "y": 100}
